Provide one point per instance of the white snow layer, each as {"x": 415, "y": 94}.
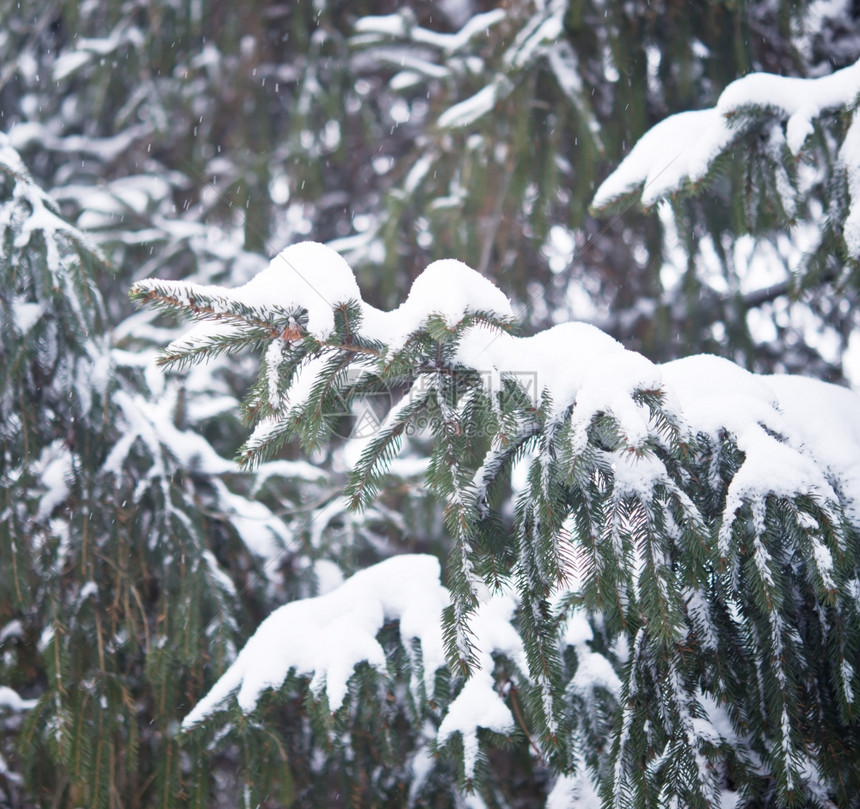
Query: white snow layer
{"x": 447, "y": 288}
{"x": 682, "y": 147}
{"x": 402, "y": 24}
{"x": 849, "y": 156}
{"x": 571, "y": 363}
{"x": 577, "y": 791}
{"x": 679, "y": 149}
{"x": 471, "y": 109}
{"x": 11, "y": 700}
{"x": 313, "y": 277}
{"x": 54, "y": 471}
{"x": 479, "y": 704}
{"x": 796, "y": 435}
{"x": 801, "y": 100}
{"x": 326, "y": 637}
{"x": 582, "y": 370}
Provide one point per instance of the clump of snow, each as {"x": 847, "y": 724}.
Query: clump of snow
{"x": 577, "y": 630}
{"x": 299, "y": 470}
{"x": 479, "y": 704}
{"x": 421, "y": 766}
{"x": 609, "y": 386}
{"x": 849, "y": 156}
{"x": 326, "y": 637}
{"x": 594, "y": 670}
{"x": 714, "y": 393}
{"x": 14, "y": 629}
{"x": 10, "y": 158}
{"x": 447, "y": 288}
{"x": 402, "y": 24}
{"x": 801, "y": 100}
{"x": 555, "y": 360}
{"x": 771, "y": 467}
{"x": 25, "y": 314}
{"x": 306, "y": 275}
{"x": 309, "y": 276}
{"x": 574, "y": 363}
{"x": 477, "y": 106}
{"x": 782, "y": 456}
{"x": 11, "y": 700}
{"x": 576, "y": 791}
{"x": 259, "y": 529}
{"x": 637, "y": 475}
{"x": 152, "y": 424}
{"x": 678, "y": 150}
{"x": 681, "y": 148}
{"x": 54, "y": 471}
{"x": 328, "y": 575}
{"x": 825, "y": 420}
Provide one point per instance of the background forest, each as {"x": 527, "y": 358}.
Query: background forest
{"x": 194, "y": 140}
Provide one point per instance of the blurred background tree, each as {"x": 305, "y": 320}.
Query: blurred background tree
{"x": 195, "y": 139}
{"x": 408, "y": 132}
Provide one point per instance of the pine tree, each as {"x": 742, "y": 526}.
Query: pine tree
{"x": 117, "y": 534}
{"x": 534, "y": 104}
{"x": 799, "y": 138}
{"x": 133, "y": 557}
{"x": 367, "y": 132}
{"x": 379, "y": 131}
{"x": 652, "y": 576}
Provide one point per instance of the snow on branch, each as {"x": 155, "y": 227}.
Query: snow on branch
{"x": 41, "y": 216}
{"x": 306, "y": 276}
{"x": 468, "y": 111}
{"x": 849, "y": 157}
{"x": 404, "y": 26}
{"x": 327, "y": 637}
{"x": 681, "y": 150}
{"x": 579, "y": 372}
{"x": 684, "y": 504}
{"x": 313, "y": 278}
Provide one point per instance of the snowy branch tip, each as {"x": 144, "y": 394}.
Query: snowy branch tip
{"x": 576, "y": 371}
{"x": 313, "y": 279}
{"x": 327, "y": 637}
{"x": 681, "y": 150}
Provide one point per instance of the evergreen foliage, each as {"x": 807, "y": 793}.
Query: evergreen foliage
{"x": 799, "y": 137}
{"x": 191, "y": 137}
{"x": 118, "y": 530}
{"x": 710, "y": 548}
{"x": 182, "y": 139}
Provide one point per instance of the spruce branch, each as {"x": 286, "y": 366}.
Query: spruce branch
{"x": 639, "y": 503}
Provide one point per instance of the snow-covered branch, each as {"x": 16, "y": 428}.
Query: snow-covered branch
{"x": 652, "y": 495}
{"x": 680, "y": 152}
